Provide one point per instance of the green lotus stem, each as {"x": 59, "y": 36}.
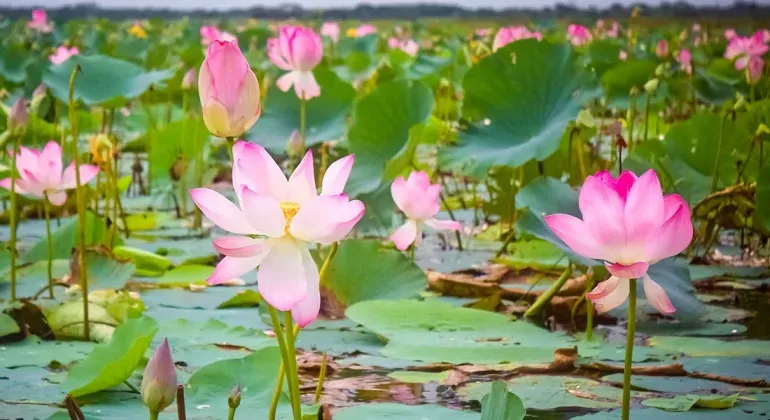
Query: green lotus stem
{"x": 625, "y": 414}
{"x": 231, "y": 414}
{"x": 715, "y": 175}
{"x": 292, "y": 373}
{"x": 47, "y": 210}
{"x": 302, "y": 121}
{"x": 153, "y": 415}
{"x": 321, "y": 377}
{"x": 110, "y": 204}
{"x": 283, "y": 345}
{"x": 646, "y": 115}
{"x": 230, "y": 144}
{"x": 14, "y": 216}
{"x": 98, "y": 192}
{"x": 452, "y": 216}
{"x": 276, "y": 393}
{"x": 81, "y": 205}
{"x": 631, "y": 120}
{"x": 324, "y": 162}
{"x": 590, "y": 283}
{"x": 550, "y": 293}
{"x": 148, "y": 146}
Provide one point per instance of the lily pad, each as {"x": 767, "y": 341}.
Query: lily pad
{"x": 403, "y": 412}
{"x": 700, "y": 346}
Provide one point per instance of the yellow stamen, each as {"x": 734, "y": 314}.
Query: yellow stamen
{"x": 290, "y": 210}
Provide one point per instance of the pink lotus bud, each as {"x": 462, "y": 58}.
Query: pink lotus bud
{"x": 297, "y": 50}
{"x": 63, "y": 54}
{"x": 365, "y": 29}
{"x": 228, "y": 90}
{"x": 39, "y": 21}
{"x": 578, "y": 34}
{"x": 39, "y": 91}
{"x": 509, "y": 34}
{"x": 684, "y": 58}
{"x": 331, "y": 30}
{"x": 159, "y": 380}
{"x": 189, "y": 79}
{"x": 234, "y": 400}
{"x": 295, "y": 147}
{"x": 661, "y": 49}
{"x": 408, "y": 46}
{"x": 17, "y": 119}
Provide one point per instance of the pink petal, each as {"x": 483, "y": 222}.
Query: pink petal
{"x": 676, "y": 233}
{"x": 277, "y": 59}
{"x": 302, "y": 181}
{"x": 50, "y": 159}
{"x": 87, "y": 173}
{"x": 602, "y": 209}
{"x": 221, "y": 211}
{"x": 286, "y": 81}
{"x": 657, "y": 297}
{"x": 306, "y": 311}
{"x": 232, "y": 267}
{"x": 326, "y": 218}
{"x": 444, "y": 224}
{"x": 239, "y": 246}
{"x": 256, "y": 169}
{"x": 611, "y": 295}
{"x": 633, "y": 271}
{"x": 624, "y": 183}
{"x": 57, "y": 198}
{"x": 263, "y": 213}
{"x": 305, "y": 85}
{"x": 400, "y": 193}
{"x": 644, "y": 210}
{"x": 336, "y": 176}
{"x": 405, "y": 235}
{"x": 281, "y": 277}
{"x": 574, "y": 232}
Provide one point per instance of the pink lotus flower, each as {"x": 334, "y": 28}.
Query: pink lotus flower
{"x": 297, "y": 50}
{"x": 331, "y": 30}
{"x": 482, "y": 32}
{"x": 762, "y": 35}
{"x": 210, "y": 34}
{"x": 754, "y": 70}
{"x": 228, "y": 90}
{"x": 419, "y": 200}
{"x": 510, "y": 34}
{"x": 39, "y": 21}
{"x": 730, "y": 34}
{"x": 63, "y": 54}
{"x": 614, "y": 30}
{"x": 364, "y": 30}
{"x": 40, "y": 174}
{"x": 189, "y": 79}
{"x": 661, "y": 49}
{"x": 158, "y": 388}
{"x": 408, "y": 46}
{"x": 623, "y": 55}
{"x": 290, "y": 214}
{"x": 578, "y": 34}
{"x": 684, "y": 58}
{"x": 742, "y": 49}
{"x": 630, "y": 224}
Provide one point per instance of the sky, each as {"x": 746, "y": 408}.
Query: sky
{"x": 227, "y": 4}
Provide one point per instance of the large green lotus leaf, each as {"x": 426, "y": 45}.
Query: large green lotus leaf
{"x": 12, "y": 62}
{"x": 112, "y": 363}
{"x": 745, "y": 368}
{"x": 603, "y": 54}
{"x": 621, "y": 78}
{"x": 33, "y": 351}
{"x": 712, "y": 89}
{"x": 672, "y": 384}
{"x": 182, "y": 332}
{"x": 550, "y": 392}
{"x": 366, "y": 44}
{"x": 102, "y": 80}
{"x": 325, "y": 118}
{"x": 655, "y": 414}
{"x": 711, "y": 347}
{"x": 381, "y": 127}
{"x": 65, "y": 239}
{"x": 522, "y": 98}
{"x": 393, "y": 277}
{"x": 256, "y": 373}
{"x": 384, "y": 411}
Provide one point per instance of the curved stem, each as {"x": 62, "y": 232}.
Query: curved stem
{"x": 629, "y": 350}
{"x": 132, "y": 387}
{"x": 646, "y": 115}
{"x": 282, "y": 344}
{"x": 14, "y": 217}
{"x": 47, "y": 210}
{"x": 452, "y": 216}
{"x": 276, "y": 393}
{"x": 81, "y": 204}
{"x": 327, "y": 263}
{"x": 292, "y": 371}
{"x": 550, "y": 293}
{"x": 715, "y": 175}
{"x": 230, "y": 143}
{"x": 231, "y": 414}
{"x": 302, "y": 121}
{"x": 321, "y": 377}
{"x": 590, "y": 282}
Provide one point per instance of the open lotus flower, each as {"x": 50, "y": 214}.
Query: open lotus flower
{"x": 40, "y": 174}
{"x": 509, "y": 34}
{"x": 158, "y": 388}
{"x": 364, "y": 30}
{"x": 578, "y": 34}
{"x": 63, "y": 54}
{"x": 228, "y": 90}
{"x": 331, "y": 30}
{"x": 39, "y": 21}
{"x": 630, "y": 224}
{"x": 684, "y": 58}
{"x": 743, "y": 49}
{"x": 419, "y": 200}
{"x": 408, "y": 46}
{"x": 297, "y": 50}
{"x": 288, "y": 216}
{"x": 661, "y": 49}
{"x": 210, "y": 34}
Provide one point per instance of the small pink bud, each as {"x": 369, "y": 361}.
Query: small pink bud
{"x": 295, "y": 146}
{"x": 159, "y": 380}
{"x": 189, "y": 79}
{"x": 234, "y": 400}
{"x": 39, "y": 91}
{"x": 17, "y": 119}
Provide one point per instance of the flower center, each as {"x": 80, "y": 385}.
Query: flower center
{"x": 290, "y": 210}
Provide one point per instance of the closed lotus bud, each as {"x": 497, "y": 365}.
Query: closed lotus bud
{"x": 189, "y": 79}
{"x": 17, "y": 119}
{"x": 39, "y": 91}
{"x": 159, "y": 381}
{"x": 295, "y": 147}
{"x": 228, "y": 90}
{"x": 651, "y": 86}
{"x": 234, "y": 400}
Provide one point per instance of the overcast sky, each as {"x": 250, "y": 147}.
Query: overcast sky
{"x": 226, "y": 4}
